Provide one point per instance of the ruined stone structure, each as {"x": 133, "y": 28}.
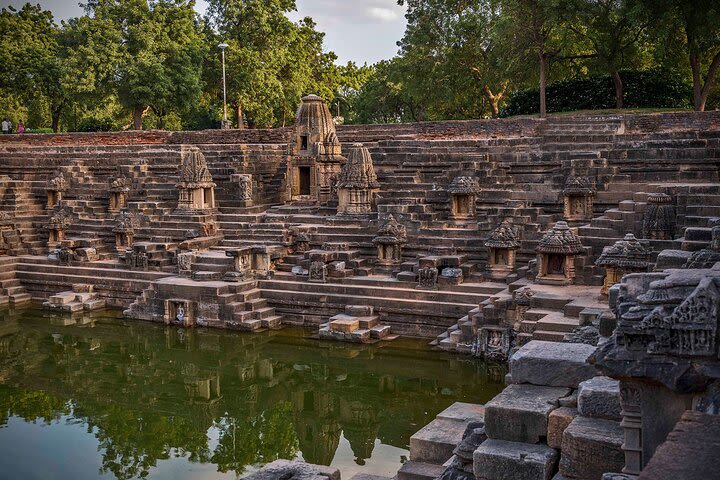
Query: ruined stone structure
{"x": 434, "y": 225}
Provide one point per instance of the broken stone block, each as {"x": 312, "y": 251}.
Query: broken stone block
{"x": 671, "y": 259}
{"x": 552, "y": 363}
{"x": 503, "y": 460}
{"x": 591, "y": 447}
{"x": 436, "y": 442}
{"x": 599, "y": 397}
{"x": 520, "y": 412}
{"x": 558, "y": 421}
{"x": 296, "y": 470}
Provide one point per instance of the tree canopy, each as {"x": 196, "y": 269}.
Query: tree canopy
{"x": 131, "y": 64}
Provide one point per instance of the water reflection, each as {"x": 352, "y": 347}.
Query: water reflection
{"x": 149, "y": 393}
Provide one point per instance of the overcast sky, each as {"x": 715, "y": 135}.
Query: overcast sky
{"x": 358, "y": 30}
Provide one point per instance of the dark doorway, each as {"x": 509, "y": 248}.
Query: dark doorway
{"x": 556, "y": 264}
{"x": 304, "y": 180}
{"x": 303, "y": 142}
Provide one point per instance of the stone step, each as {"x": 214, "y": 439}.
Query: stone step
{"x": 412, "y": 470}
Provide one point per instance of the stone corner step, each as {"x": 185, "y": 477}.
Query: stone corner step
{"x": 412, "y": 470}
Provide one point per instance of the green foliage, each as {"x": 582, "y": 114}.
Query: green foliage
{"x": 94, "y": 124}
{"x": 651, "y": 89}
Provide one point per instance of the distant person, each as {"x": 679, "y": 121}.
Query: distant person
{"x": 6, "y": 126}
{"x": 21, "y": 128}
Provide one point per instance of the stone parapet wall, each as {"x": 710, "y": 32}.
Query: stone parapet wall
{"x": 149, "y": 137}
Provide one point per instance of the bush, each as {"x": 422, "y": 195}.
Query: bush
{"x": 38, "y": 130}
{"x": 648, "y": 89}
{"x": 92, "y": 124}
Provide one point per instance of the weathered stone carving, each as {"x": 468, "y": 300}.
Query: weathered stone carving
{"x": 56, "y": 189}
{"x": 244, "y": 184}
{"x": 58, "y": 224}
{"x": 124, "y": 231}
{"x": 317, "y": 272}
{"x": 659, "y": 219}
{"x": 502, "y": 244}
{"x": 556, "y": 255}
{"x": 196, "y": 190}
{"x": 463, "y": 191}
{"x": 301, "y": 243}
{"x": 578, "y": 197}
{"x": 357, "y": 183}
{"x": 522, "y": 298}
{"x": 707, "y": 257}
{"x": 184, "y": 262}
{"x": 118, "y": 194}
{"x": 427, "y": 278}
{"x": 494, "y": 342}
{"x": 625, "y": 256}
{"x": 315, "y": 153}
{"x": 389, "y": 242}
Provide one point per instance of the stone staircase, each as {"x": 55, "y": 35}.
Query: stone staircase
{"x": 12, "y": 292}
{"x": 80, "y": 298}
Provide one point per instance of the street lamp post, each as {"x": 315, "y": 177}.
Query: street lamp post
{"x": 225, "y": 123}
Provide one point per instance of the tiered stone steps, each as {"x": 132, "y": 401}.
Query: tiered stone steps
{"x": 358, "y": 325}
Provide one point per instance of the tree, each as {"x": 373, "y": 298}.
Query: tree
{"x": 160, "y": 52}
{"x": 614, "y": 31}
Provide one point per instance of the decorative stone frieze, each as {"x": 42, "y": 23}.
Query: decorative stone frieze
{"x": 244, "y": 188}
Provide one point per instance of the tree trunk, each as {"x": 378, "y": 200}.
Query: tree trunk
{"x": 494, "y": 98}
{"x": 56, "y": 120}
{"x": 239, "y": 115}
{"x": 619, "y": 92}
{"x": 138, "y": 113}
{"x": 543, "y": 83}
{"x": 701, "y": 89}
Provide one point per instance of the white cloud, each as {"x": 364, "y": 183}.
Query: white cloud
{"x": 383, "y": 14}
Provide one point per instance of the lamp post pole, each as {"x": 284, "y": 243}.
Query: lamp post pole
{"x": 225, "y": 124}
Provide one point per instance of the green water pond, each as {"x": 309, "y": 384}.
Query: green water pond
{"x": 99, "y": 396}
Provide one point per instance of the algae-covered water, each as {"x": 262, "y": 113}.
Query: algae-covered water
{"x": 101, "y": 397}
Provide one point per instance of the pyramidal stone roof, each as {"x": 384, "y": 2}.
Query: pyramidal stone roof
{"x": 503, "y": 236}
{"x": 358, "y": 171}
{"x": 391, "y": 233}
{"x": 314, "y": 114}
{"x": 560, "y": 240}
{"x": 194, "y": 170}
{"x": 464, "y": 185}
{"x": 628, "y": 253}
{"x": 579, "y": 186}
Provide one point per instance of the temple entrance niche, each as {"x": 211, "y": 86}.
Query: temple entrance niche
{"x": 502, "y": 244}
{"x": 463, "y": 191}
{"x": 315, "y": 154}
{"x": 556, "y": 255}
{"x": 179, "y": 312}
{"x": 578, "y": 199}
{"x": 56, "y": 190}
{"x": 357, "y": 185}
{"x": 304, "y": 176}
{"x": 196, "y": 190}
{"x": 118, "y": 194}
{"x": 625, "y": 256}
{"x": 389, "y": 242}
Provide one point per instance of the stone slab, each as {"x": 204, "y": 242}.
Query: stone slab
{"x": 689, "y": 452}
{"x": 520, "y": 412}
{"x": 552, "y": 364}
{"x": 345, "y": 325}
{"x": 435, "y": 442}
{"x": 296, "y": 470}
{"x": 419, "y": 471}
{"x": 503, "y": 460}
{"x": 599, "y": 397}
{"x": 463, "y": 412}
{"x": 558, "y": 420}
{"x": 591, "y": 447}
